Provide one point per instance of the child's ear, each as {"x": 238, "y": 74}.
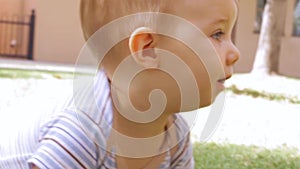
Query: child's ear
{"x": 142, "y": 43}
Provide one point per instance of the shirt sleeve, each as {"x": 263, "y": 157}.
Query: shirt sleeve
{"x": 64, "y": 144}
{"x": 183, "y": 158}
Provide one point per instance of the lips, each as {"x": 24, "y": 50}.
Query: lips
{"x": 224, "y": 79}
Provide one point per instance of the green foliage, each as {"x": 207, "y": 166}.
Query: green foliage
{"x": 230, "y": 156}
{"x": 44, "y": 74}
{"x": 37, "y": 74}
{"x": 265, "y": 95}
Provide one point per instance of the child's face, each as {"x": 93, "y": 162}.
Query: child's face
{"x": 216, "y": 19}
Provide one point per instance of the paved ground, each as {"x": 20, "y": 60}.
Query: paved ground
{"x": 245, "y": 120}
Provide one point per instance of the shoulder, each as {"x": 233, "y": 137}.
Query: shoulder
{"x": 78, "y": 134}
{"x": 182, "y": 153}
{"x": 182, "y": 127}
{"x": 72, "y": 136}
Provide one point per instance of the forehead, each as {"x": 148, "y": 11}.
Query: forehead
{"x": 195, "y": 9}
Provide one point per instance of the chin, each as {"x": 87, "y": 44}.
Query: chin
{"x": 219, "y": 87}
{"x": 206, "y": 103}
{"x": 209, "y": 100}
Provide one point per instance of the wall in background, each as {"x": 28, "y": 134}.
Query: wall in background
{"x": 247, "y": 40}
{"x": 58, "y": 35}
{"x": 58, "y": 31}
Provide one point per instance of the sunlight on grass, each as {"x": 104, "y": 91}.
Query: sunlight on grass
{"x": 230, "y": 156}
{"x": 37, "y": 74}
{"x": 263, "y": 94}
{"x": 44, "y": 74}
{"x": 210, "y": 155}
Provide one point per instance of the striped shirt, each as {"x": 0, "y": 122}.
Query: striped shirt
{"x": 77, "y": 136}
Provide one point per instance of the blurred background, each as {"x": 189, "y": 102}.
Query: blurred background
{"x": 40, "y": 41}
{"x": 53, "y": 34}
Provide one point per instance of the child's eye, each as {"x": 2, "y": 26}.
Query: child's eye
{"x": 218, "y": 35}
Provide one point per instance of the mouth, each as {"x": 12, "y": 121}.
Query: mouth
{"x": 224, "y": 79}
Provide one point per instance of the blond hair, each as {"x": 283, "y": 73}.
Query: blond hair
{"x": 96, "y": 13}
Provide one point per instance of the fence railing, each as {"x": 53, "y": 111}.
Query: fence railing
{"x": 17, "y": 36}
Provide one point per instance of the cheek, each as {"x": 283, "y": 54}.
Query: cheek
{"x": 200, "y": 74}
{"x": 203, "y": 81}
{"x": 149, "y": 80}
{"x": 220, "y": 49}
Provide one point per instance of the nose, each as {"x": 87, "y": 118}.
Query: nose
{"x": 233, "y": 55}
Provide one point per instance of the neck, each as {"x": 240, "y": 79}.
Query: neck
{"x": 140, "y": 130}
{"x": 137, "y": 140}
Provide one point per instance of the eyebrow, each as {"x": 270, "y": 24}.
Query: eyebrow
{"x": 222, "y": 20}
{"x": 219, "y": 21}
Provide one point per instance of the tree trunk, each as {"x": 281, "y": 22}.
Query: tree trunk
{"x": 272, "y": 28}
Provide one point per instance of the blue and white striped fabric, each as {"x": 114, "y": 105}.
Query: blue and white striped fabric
{"x": 77, "y": 136}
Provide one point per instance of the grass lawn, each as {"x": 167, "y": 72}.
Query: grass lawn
{"x": 211, "y": 155}
{"x": 230, "y": 156}
{"x": 38, "y": 74}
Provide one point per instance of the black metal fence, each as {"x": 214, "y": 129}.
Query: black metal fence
{"x": 17, "y": 36}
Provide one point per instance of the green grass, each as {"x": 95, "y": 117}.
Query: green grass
{"x": 230, "y": 156}
{"x": 37, "y": 74}
{"x": 265, "y": 95}
{"x": 43, "y": 74}
{"x": 211, "y": 155}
